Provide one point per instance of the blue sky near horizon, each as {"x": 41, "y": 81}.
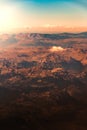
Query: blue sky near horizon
{"x": 35, "y": 13}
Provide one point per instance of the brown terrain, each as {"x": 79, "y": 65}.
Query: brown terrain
{"x": 43, "y": 81}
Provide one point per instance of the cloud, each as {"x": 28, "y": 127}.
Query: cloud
{"x": 50, "y": 25}
{"x": 57, "y": 48}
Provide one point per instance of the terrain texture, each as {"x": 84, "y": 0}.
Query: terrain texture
{"x": 43, "y": 81}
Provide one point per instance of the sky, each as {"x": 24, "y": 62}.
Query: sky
{"x": 43, "y": 15}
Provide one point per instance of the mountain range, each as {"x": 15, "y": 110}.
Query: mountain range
{"x": 43, "y": 81}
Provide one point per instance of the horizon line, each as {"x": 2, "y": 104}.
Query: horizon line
{"x": 43, "y": 33}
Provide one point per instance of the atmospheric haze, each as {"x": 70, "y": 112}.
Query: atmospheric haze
{"x": 43, "y": 16}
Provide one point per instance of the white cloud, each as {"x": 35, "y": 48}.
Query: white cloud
{"x": 57, "y": 48}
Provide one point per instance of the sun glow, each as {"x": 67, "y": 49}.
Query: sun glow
{"x": 7, "y": 17}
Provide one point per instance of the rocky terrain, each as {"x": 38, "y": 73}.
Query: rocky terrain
{"x": 43, "y": 81}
